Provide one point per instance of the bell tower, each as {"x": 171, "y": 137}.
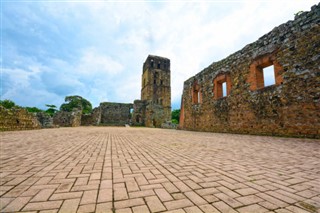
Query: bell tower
{"x": 156, "y": 86}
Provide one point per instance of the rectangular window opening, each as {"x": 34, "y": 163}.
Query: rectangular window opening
{"x": 268, "y": 76}
{"x": 224, "y": 89}
{"x": 198, "y": 101}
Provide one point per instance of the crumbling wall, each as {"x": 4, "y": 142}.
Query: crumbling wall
{"x": 290, "y": 107}
{"x": 45, "y": 120}
{"x": 115, "y": 114}
{"x": 139, "y": 113}
{"x": 155, "y": 115}
{"x": 17, "y": 119}
{"x": 91, "y": 119}
{"x": 67, "y": 119}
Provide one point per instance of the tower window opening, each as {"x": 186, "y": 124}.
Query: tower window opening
{"x": 224, "y": 89}
{"x": 151, "y": 63}
{"x": 268, "y": 76}
{"x": 159, "y": 65}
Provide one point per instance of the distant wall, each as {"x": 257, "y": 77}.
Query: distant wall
{"x": 290, "y": 107}
{"x": 67, "y": 119}
{"x": 17, "y": 119}
{"x": 45, "y": 120}
{"x": 115, "y": 114}
{"x": 91, "y": 119}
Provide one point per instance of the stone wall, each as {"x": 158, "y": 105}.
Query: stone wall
{"x": 45, "y": 120}
{"x": 290, "y": 107}
{"x": 91, "y": 119}
{"x": 17, "y": 119}
{"x": 139, "y": 113}
{"x": 67, "y": 119}
{"x": 115, "y": 114}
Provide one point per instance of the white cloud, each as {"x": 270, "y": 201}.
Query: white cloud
{"x": 92, "y": 63}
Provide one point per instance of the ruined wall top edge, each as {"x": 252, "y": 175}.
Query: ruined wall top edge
{"x": 266, "y": 44}
{"x": 114, "y": 104}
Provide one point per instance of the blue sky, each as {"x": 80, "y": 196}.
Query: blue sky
{"x": 96, "y": 49}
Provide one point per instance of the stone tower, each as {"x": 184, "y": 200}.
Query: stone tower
{"x": 156, "y": 88}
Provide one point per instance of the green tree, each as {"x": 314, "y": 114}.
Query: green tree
{"x": 33, "y": 109}
{"x": 175, "y": 116}
{"x": 8, "y": 104}
{"x": 76, "y": 102}
{"x": 51, "y": 109}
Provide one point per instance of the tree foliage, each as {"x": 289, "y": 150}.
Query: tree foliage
{"x": 76, "y": 102}
{"x": 175, "y": 116}
{"x": 8, "y": 104}
{"x": 51, "y": 109}
{"x": 33, "y": 109}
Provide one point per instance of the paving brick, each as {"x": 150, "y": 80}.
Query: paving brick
{"x": 70, "y": 205}
{"x": 195, "y": 198}
{"x": 16, "y": 204}
{"x": 175, "y": 211}
{"x": 89, "y": 197}
{"x": 106, "y": 184}
{"x": 104, "y": 208}
{"x": 126, "y": 210}
{"x": 250, "y": 199}
{"x": 120, "y": 194}
{"x": 207, "y": 208}
{"x": 252, "y": 208}
{"x": 221, "y": 206}
{"x": 49, "y": 211}
{"x": 67, "y": 195}
{"x": 43, "y": 205}
{"x": 144, "y": 193}
{"x": 128, "y": 203}
{"x": 246, "y": 191}
{"x": 105, "y": 195}
{"x": 163, "y": 195}
{"x": 154, "y": 204}
{"x": 176, "y": 204}
{"x": 86, "y": 208}
{"x": 140, "y": 209}
{"x": 207, "y": 191}
{"x": 170, "y": 187}
{"x": 193, "y": 209}
{"x": 178, "y": 196}
{"x": 132, "y": 185}
{"x": 43, "y": 195}
{"x": 181, "y": 186}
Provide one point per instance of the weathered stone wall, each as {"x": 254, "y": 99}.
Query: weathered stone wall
{"x": 17, "y": 119}
{"x": 290, "y": 107}
{"x": 67, "y": 119}
{"x": 45, "y": 120}
{"x": 91, "y": 119}
{"x": 139, "y": 113}
{"x": 155, "y": 115}
{"x": 117, "y": 114}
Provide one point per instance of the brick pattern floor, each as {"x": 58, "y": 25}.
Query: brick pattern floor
{"x": 101, "y": 169}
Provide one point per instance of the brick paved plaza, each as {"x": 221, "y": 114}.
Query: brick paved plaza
{"x": 105, "y": 169}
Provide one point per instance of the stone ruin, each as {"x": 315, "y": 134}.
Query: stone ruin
{"x": 17, "y": 119}
{"x": 153, "y": 110}
{"x": 231, "y": 95}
